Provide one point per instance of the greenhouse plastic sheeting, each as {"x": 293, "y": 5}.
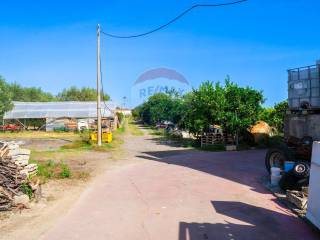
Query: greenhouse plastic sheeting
{"x": 24, "y": 110}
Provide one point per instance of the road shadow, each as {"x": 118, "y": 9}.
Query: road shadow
{"x": 252, "y": 223}
{"x": 173, "y": 142}
{"x": 244, "y": 167}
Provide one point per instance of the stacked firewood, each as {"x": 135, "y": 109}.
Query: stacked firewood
{"x": 14, "y": 172}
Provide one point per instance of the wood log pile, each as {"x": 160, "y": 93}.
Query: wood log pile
{"x": 14, "y": 172}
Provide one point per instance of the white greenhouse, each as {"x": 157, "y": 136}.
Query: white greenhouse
{"x": 61, "y": 114}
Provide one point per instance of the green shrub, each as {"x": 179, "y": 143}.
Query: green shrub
{"x": 85, "y": 136}
{"x": 26, "y": 189}
{"x": 50, "y": 169}
{"x": 214, "y": 148}
{"x": 65, "y": 171}
{"x": 61, "y": 129}
{"x": 121, "y": 117}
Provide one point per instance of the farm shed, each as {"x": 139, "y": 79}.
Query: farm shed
{"x": 63, "y": 114}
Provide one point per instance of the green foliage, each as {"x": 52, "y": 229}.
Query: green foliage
{"x": 214, "y": 148}
{"x": 26, "y": 189}
{"x": 65, "y": 171}
{"x": 241, "y": 107}
{"x": 85, "y": 136}
{"x": 204, "y": 106}
{"x": 50, "y": 169}
{"x": 15, "y": 92}
{"x": 5, "y": 97}
{"x": 121, "y": 130}
{"x": 61, "y": 129}
{"x": 234, "y": 108}
{"x": 29, "y": 94}
{"x": 161, "y": 107}
{"x": 80, "y": 94}
{"x": 136, "y": 113}
{"x": 133, "y": 128}
{"x": 275, "y": 116}
{"x": 121, "y": 117}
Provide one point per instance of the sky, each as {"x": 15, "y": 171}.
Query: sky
{"x": 52, "y": 44}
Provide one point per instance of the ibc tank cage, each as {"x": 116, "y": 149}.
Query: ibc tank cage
{"x": 304, "y": 87}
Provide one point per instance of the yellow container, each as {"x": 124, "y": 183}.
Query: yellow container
{"x": 106, "y": 137}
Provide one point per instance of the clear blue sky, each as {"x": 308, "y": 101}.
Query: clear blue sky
{"x": 52, "y": 44}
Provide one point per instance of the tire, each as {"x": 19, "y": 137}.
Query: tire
{"x": 302, "y": 183}
{"x": 288, "y": 181}
{"x": 276, "y": 157}
{"x": 301, "y": 170}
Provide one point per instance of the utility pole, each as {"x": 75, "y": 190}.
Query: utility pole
{"x": 99, "y": 135}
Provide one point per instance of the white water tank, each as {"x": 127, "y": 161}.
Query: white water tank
{"x": 313, "y": 212}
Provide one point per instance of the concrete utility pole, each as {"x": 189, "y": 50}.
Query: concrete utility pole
{"x": 99, "y": 88}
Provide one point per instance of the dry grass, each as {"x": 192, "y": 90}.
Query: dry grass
{"x": 39, "y": 135}
{"x": 57, "y": 155}
{"x": 81, "y": 157}
{"x": 133, "y": 128}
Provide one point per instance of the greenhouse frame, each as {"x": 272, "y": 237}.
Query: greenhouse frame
{"x": 55, "y": 113}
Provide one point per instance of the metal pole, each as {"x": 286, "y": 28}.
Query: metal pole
{"x": 98, "y": 88}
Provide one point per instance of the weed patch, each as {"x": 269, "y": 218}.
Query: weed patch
{"x": 26, "y": 189}
{"x": 133, "y": 129}
{"x": 78, "y": 145}
{"x": 52, "y": 170}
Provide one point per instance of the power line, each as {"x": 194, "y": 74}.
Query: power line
{"x": 174, "y": 19}
{"x": 102, "y": 91}
{"x": 103, "y": 100}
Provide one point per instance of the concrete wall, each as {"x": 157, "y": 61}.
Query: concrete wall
{"x": 302, "y": 125}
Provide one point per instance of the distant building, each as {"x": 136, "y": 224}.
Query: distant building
{"x": 125, "y": 111}
{"x": 64, "y": 114}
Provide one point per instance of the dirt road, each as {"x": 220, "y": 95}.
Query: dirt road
{"x": 165, "y": 192}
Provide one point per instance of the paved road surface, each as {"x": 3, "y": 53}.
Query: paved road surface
{"x": 169, "y": 193}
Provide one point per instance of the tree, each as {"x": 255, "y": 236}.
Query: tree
{"x": 29, "y": 94}
{"x": 203, "y": 107}
{"x": 161, "y": 107}
{"x": 5, "y": 97}
{"x": 77, "y": 94}
{"x": 275, "y": 116}
{"x": 241, "y": 107}
{"x": 234, "y": 108}
{"x": 15, "y": 92}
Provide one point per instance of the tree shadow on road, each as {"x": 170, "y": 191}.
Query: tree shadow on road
{"x": 251, "y": 223}
{"x": 244, "y": 167}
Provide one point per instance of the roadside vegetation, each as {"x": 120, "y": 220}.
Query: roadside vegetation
{"x": 227, "y": 105}
{"x": 76, "y": 159}
{"x": 52, "y": 170}
{"x": 133, "y": 128}
{"x": 274, "y": 116}
{"x": 15, "y": 92}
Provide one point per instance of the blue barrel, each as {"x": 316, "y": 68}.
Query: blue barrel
{"x": 288, "y": 166}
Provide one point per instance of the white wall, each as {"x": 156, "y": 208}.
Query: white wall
{"x": 313, "y": 213}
